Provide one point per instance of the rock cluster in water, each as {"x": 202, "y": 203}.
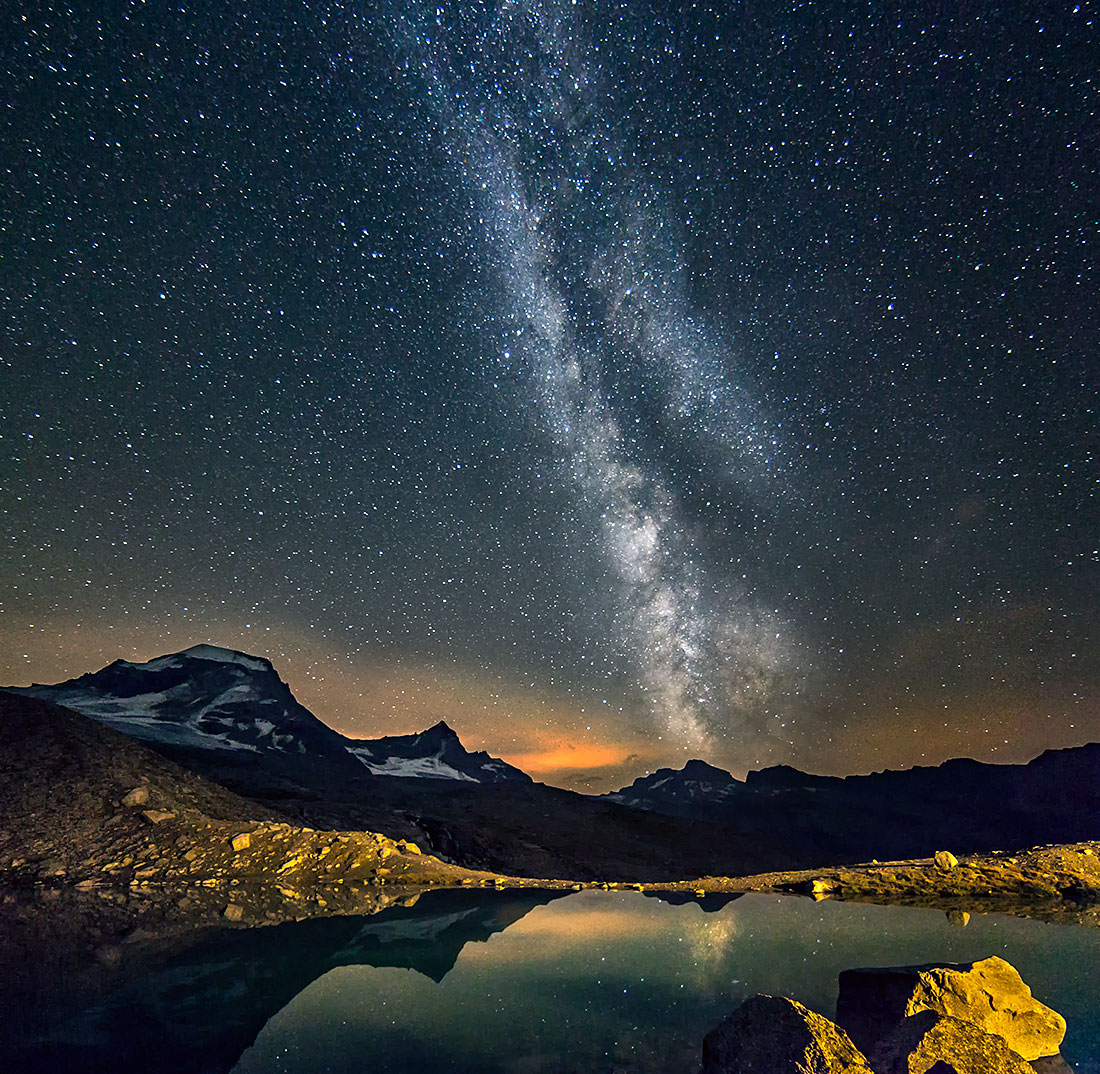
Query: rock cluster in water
{"x": 970, "y": 1018}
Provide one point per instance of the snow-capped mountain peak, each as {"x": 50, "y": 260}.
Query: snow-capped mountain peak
{"x": 211, "y": 698}
{"x": 436, "y": 753}
{"x": 205, "y": 697}
{"x": 670, "y": 788}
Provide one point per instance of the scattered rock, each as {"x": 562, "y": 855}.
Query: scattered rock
{"x": 958, "y": 918}
{"x": 233, "y": 912}
{"x": 157, "y": 816}
{"x": 138, "y": 796}
{"x": 924, "y": 1039}
{"x": 774, "y": 1035}
{"x": 988, "y": 993}
{"x": 408, "y": 848}
{"x": 241, "y": 842}
{"x": 945, "y": 859}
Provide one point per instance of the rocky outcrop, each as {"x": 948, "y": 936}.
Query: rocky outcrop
{"x": 923, "y": 1040}
{"x": 989, "y": 994}
{"x": 973, "y": 1018}
{"x": 774, "y": 1035}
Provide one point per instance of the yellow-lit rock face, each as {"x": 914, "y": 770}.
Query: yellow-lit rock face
{"x": 992, "y": 995}
{"x": 989, "y": 994}
{"x": 768, "y": 1034}
{"x": 924, "y": 1039}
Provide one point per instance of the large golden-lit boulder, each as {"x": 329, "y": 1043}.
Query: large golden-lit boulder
{"x": 922, "y": 1040}
{"x": 989, "y": 994}
{"x": 774, "y": 1035}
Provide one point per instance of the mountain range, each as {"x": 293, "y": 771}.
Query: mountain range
{"x": 214, "y": 699}
{"x": 229, "y": 717}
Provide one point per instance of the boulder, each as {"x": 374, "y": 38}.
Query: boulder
{"x": 240, "y": 842}
{"x": 138, "y": 796}
{"x": 945, "y": 859}
{"x": 988, "y": 993}
{"x": 927, "y": 1039}
{"x": 1051, "y": 1064}
{"x": 773, "y": 1035}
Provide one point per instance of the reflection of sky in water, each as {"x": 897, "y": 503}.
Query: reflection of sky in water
{"x": 617, "y": 982}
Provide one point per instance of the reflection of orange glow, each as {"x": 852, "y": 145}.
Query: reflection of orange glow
{"x": 547, "y": 933}
{"x": 590, "y": 923}
{"x": 556, "y": 758}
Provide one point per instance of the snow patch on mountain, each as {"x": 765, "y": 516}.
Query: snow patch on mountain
{"x": 412, "y": 767}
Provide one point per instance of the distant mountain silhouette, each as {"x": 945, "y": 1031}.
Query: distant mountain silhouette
{"x": 962, "y": 804}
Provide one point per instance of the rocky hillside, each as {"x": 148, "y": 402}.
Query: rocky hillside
{"x": 85, "y": 805}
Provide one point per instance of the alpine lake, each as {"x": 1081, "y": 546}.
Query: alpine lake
{"x": 522, "y": 982}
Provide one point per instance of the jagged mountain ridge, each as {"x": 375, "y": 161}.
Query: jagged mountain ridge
{"x": 961, "y": 803}
{"x": 435, "y": 753}
{"x": 207, "y": 698}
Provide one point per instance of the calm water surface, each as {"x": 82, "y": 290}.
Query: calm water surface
{"x": 591, "y": 982}
{"x": 617, "y": 981}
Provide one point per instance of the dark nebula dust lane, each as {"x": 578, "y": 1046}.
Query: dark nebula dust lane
{"x": 622, "y": 382}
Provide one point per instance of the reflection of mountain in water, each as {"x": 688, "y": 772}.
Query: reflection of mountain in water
{"x": 709, "y": 903}
{"x": 196, "y": 1008}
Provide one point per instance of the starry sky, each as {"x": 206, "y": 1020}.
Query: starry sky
{"x": 624, "y": 382}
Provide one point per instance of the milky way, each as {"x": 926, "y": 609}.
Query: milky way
{"x": 704, "y": 655}
{"x": 629, "y": 379}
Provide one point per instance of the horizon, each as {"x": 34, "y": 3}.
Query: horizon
{"x": 539, "y": 770}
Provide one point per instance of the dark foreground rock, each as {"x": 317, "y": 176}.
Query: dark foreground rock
{"x": 989, "y": 994}
{"x": 774, "y": 1035}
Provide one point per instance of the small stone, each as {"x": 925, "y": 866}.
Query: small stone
{"x": 157, "y": 816}
{"x": 233, "y": 912}
{"x": 959, "y": 918}
{"x": 138, "y": 796}
{"x": 945, "y": 859}
{"x": 241, "y": 842}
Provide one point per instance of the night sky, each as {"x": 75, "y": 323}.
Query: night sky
{"x": 623, "y": 382}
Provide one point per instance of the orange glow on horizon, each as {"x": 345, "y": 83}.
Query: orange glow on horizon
{"x": 556, "y": 758}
